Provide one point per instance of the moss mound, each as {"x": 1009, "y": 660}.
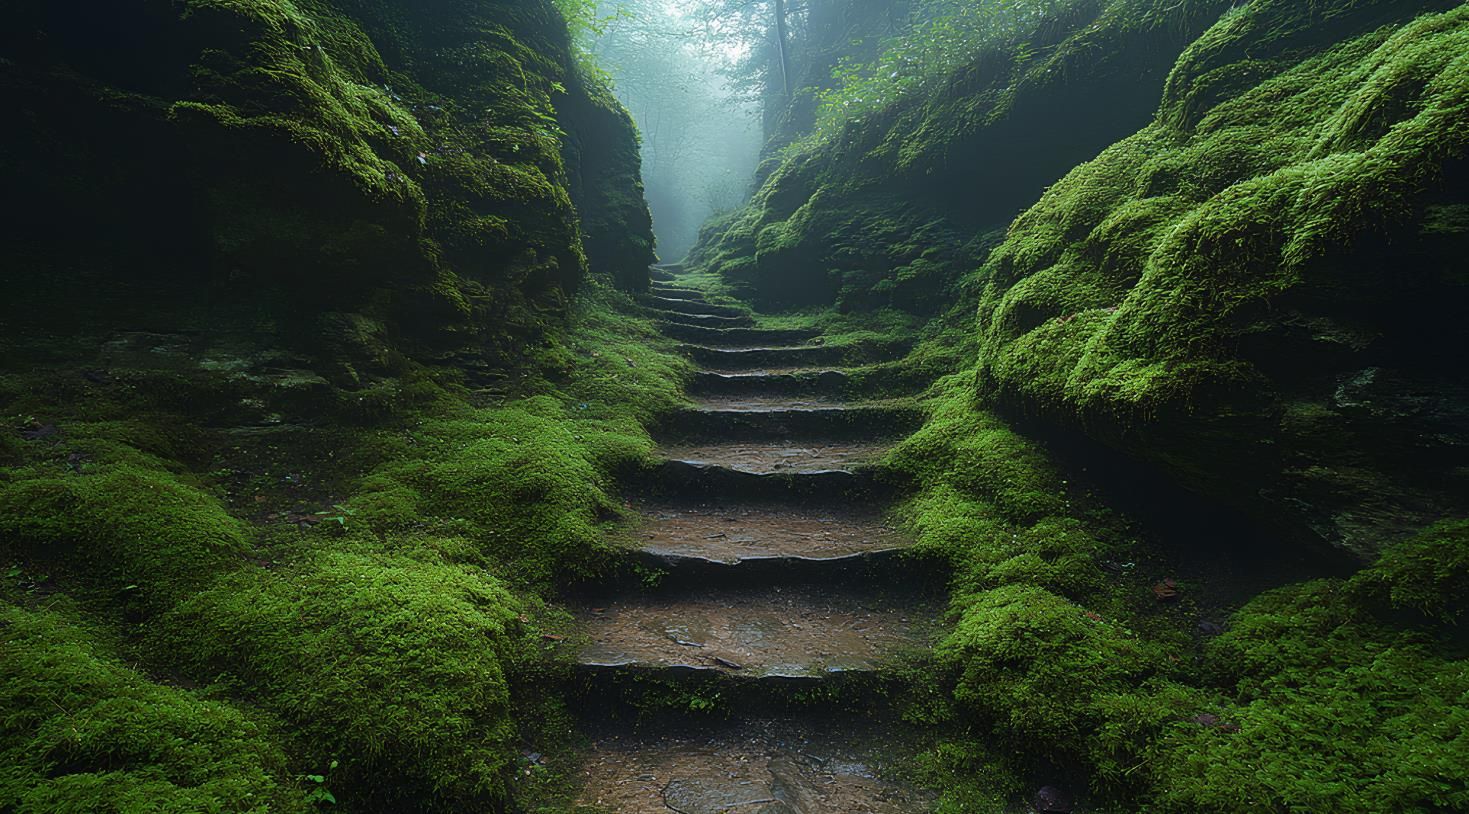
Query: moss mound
{"x": 84, "y": 732}
{"x": 388, "y": 664}
{"x": 135, "y": 533}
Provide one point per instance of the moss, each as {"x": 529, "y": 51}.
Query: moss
{"x": 84, "y": 732}
{"x": 1329, "y": 711}
{"x": 391, "y": 663}
{"x": 1427, "y": 573}
{"x": 412, "y": 167}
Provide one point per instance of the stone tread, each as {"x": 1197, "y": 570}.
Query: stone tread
{"x": 731, "y": 533}
{"x": 826, "y": 766}
{"x": 779, "y": 457}
{"x": 774, "y": 632}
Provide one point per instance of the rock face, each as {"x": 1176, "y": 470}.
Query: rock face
{"x": 354, "y": 179}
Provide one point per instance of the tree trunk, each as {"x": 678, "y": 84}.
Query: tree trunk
{"x": 782, "y": 47}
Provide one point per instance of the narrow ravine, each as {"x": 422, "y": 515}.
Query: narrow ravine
{"x": 779, "y": 585}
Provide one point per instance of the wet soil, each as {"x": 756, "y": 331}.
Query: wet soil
{"x": 757, "y": 767}
{"x": 786, "y": 632}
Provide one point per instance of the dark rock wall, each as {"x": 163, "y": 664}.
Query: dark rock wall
{"x": 350, "y": 179}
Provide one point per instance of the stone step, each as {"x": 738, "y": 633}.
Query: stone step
{"x": 721, "y": 534}
{"x": 703, "y": 320}
{"x": 736, "y": 337}
{"x": 793, "y": 382}
{"x": 663, "y": 274}
{"x": 677, "y": 293}
{"x": 831, "y": 764}
{"x": 776, "y": 457}
{"x": 734, "y": 419}
{"x": 693, "y": 307}
{"x": 755, "y": 359}
{"x": 770, "y": 469}
{"x": 785, "y": 634}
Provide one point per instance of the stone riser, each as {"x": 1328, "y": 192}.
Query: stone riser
{"x": 756, "y": 358}
{"x": 811, "y": 383}
{"x": 670, "y": 292}
{"x": 639, "y": 690}
{"x": 694, "y": 480}
{"x": 693, "y": 307}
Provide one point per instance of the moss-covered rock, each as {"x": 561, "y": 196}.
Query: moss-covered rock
{"x": 1214, "y": 290}
{"x": 389, "y": 664}
{"x": 897, "y": 206}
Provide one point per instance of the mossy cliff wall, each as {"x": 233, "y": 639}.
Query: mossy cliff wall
{"x": 347, "y": 176}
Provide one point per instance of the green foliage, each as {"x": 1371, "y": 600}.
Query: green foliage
{"x": 83, "y": 732}
{"x": 944, "y": 36}
{"x": 1033, "y": 663}
{"x": 529, "y": 482}
{"x": 1428, "y": 573}
{"x": 1331, "y": 712}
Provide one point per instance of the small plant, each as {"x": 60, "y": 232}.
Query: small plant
{"x": 317, "y": 793}
{"x": 698, "y": 703}
{"x": 339, "y": 515}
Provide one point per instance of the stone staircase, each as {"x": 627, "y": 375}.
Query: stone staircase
{"x": 776, "y": 600}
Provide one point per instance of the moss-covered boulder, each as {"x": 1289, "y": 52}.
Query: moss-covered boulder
{"x": 1258, "y": 291}
{"x": 391, "y": 666}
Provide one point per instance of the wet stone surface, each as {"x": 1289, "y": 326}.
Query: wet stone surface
{"x": 759, "y": 767}
{"x": 777, "y": 457}
{"x": 736, "y": 532}
{"x": 780, "y": 632}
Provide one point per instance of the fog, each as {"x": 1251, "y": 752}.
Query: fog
{"x": 672, "y": 65}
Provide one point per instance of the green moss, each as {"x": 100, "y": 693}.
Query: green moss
{"x": 84, "y": 732}
{"x": 1197, "y": 228}
{"x": 391, "y": 663}
{"x": 1427, "y": 573}
{"x": 1329, "y": 712}
{"x": 1034, "y": 664}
